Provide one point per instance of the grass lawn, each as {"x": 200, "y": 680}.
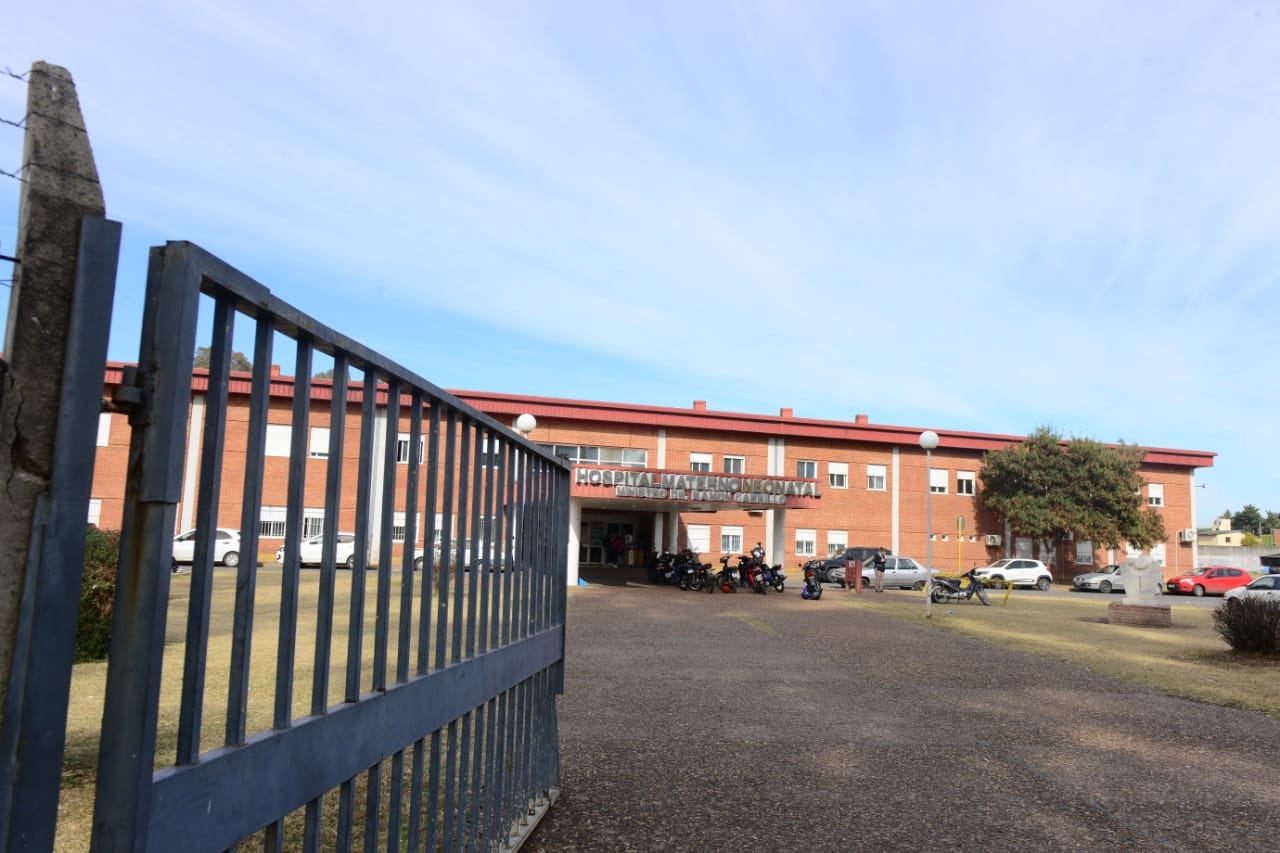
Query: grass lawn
{"x": 1188, "y": 659}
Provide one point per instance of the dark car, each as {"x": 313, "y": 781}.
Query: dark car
{"x": 838, "y": 562}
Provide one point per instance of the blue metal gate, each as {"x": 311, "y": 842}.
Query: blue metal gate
{"x": 419, "y": 711}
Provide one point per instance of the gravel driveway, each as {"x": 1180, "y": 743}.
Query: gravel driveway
{"x": 747, "y": 722}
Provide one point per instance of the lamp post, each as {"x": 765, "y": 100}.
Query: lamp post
{"x": 928, "y": 440}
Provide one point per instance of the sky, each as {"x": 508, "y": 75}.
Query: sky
{"x": 980, "y": 216}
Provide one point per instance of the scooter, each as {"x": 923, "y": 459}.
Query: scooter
{"x": 946, "y": 589}
{"x": 812, "y": 586}
{"x": 727, "y": 577}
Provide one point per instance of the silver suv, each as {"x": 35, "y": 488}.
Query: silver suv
{"x": 1020, "y": 572}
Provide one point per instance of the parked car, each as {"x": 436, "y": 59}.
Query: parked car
{"x": 1214, "y": 580}
{"x": 1019, "y": 571}
{"x": 900, "y": 572}
{"x": 226, "y": 547}
{"x": 311, "y": 549}
{"x": 1106, "y": 579}
{"x": 839, "y": 561}
{"x": 1267, "y": 586}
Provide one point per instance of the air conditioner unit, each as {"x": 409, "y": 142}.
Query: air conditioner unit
{"x": 994, "y": 539}
{"x": 1188, "y": 535}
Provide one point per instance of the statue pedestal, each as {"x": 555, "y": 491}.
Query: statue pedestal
{"x": 1144, "y": 615}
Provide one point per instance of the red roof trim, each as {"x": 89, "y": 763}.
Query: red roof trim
{"x": 664, "y": 417}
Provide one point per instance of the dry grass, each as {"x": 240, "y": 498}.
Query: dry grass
{"x": 89, "y": 680}
{"x": 1187, "y": 659}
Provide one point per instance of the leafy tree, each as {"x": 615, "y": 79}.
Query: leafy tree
{"x": 1249, "y": 518}
{"x": 1249, "y": 540}
{"x": 239, "y": 361}
{"x": 324, "y": 374}
{"x": 1271, "y": 522}
{"x": 1047, "y": 488}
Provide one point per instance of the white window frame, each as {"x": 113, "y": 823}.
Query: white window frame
{"x": 104, "y": 429}
{"x": 807, "y": 469}
{"x": 402, "y": 449}
{"x": 837, "y": 542}
{"x": 966, "y": 483}
{"x": 838, "y": 475}
{"x": 806, "y": 541}
{"x": 699, "y": 537}
{"x": 95, "y": 511}
{"x": 271, "y": 521}
{"x": 938, "y": 478}
{"x": 1084, "y": 552}
{"x": 279, "y": 437}
{"x": 312, "y": 520}
{"x": 700, "y": 462}
{"x": 730, "y": 539}
{"x": 1155, "y": 494}
{"x": 1022, "y": 548}
{"x": 318, "y": 443}
{"x": 398, "y": 524}
{"x": 1158, "y": 553}
{"x": 877, "y": 476}
{"x": 735, "y": 464}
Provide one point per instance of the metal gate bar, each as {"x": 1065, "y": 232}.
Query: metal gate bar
{"x": 482, "y": 686}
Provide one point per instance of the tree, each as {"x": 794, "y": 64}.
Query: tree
{"x": 1271, "y": 522}
{"x": 1047, "y": 488}
{"x": 1249, "y": 518}
{"x": 324, "y": 374}
{"x": 239, "y": 361}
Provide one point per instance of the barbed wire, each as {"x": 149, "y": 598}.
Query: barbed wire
{"x": 17, "y": 177}
{"x": 16, "y": 76}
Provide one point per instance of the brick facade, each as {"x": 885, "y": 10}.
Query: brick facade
{"x": 893, "y": 516}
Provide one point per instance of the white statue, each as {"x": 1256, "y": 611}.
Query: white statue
{"x": 1142, "y": 579}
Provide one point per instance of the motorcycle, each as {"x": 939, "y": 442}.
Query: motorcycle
{"x": 774, "y": 576}
{"x": 727, "y": 577}
{"x": 947, "y": 589}
{"x": 812, "y": 590}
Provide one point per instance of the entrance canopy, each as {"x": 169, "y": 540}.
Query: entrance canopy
{"x": 690, "y": 491}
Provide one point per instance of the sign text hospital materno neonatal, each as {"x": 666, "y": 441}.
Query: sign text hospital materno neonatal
{"x": 697, "y": 487}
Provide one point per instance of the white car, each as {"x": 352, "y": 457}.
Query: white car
{"x": 226, "y": 547}
{"x": 311, "y": 549}
{"x": 1266, "y": 587}
{"x": 1019, "y": 571}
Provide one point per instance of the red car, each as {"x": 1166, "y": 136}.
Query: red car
{"x": 1211, "y": 579}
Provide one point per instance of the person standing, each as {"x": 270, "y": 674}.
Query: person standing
{"x": 878, "y": 563}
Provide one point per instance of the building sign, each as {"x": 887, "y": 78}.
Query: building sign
{"x": 748, "y": 492}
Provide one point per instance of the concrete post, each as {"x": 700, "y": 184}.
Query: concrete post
{"x": 61, "y": 187}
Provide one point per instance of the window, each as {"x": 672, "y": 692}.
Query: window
{"x": 735, "y": 465}
{"x": 1084, "y": 552}
{"x": 490, "y": 450}
{"x": 104, "y": 429}
{"x": 277, "y": 444}
{"x": 621, "y": 456}
{"x": 95, "y": 510}
{"x": 966, "y": 482}
{"x": 807, "y": 469}
{"x": 271, "y": 521}
{"x": 700, "y": 462}
{"x": 1155, "y": 494}
{"x": 319, "y": 446}
{"x": 875, "y": 478}
{"x": 1022, "y": 546}
{"x": 838, "y": 475}
{"x": 730, "y": 540}
{"x": 699, "y": 538}
{"x": 1157, "y": 554}
{"x": 938, "y": 481}
{"x": 398, "y": 525}
{"x": 806, "y": 542}
{"x": 837, "y": 541}
{"x": 402, "y": 449}
{"x": 312, "y": 521}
